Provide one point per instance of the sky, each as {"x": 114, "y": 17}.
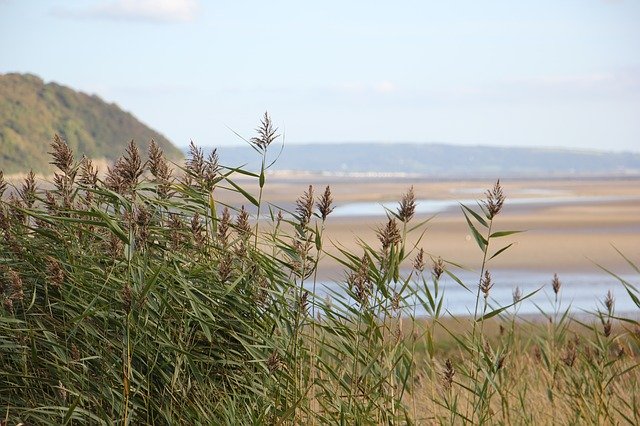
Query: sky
{"x": 544, "y": 73}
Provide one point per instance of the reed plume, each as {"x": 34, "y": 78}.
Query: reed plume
{"x": 267, "y": 133}
{"x": 325, "y": 204}
{"x": 495, "y": 200}
{"x": 407, "y": 207}
{"x": 304, "y": 207}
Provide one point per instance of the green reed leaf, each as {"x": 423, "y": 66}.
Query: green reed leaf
{"x": 482, "y": 242}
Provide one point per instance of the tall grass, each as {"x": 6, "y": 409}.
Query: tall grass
{"x": 143, "y": 297}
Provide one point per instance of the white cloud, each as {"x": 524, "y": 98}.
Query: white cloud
{"x": 138, "y": 10}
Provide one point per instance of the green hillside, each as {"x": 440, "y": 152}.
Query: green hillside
{"x": 31, "y": 112}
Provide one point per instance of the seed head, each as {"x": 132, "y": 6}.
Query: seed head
{"x": 88, "y": 173}
{"x": 609, "y": 302}
{"x": 211, "y": 169}
{"x": 55, "y": 273}
{"x": 223, "y": 227}
{"x": 448, "y": 374}
{"x": 242, "y": 223}
{"x": 407, "y": 206}
{"x": 360, "y": 282}
{"x": 142, "y": 221}
{"x": 62, "y": 155}
{"x": 131, "y": 166}
{"x": 438, "y": 268}
{"x": 195, "y": 161}
{"x": 389, "y": 235}
{"x": 197, "y": 230}
{"x": 156, "y": 158}
{"x": 325, "y": 203}
{"x": 486, "y": 284}
{"x": 556, "y": 284}
{"x": 304, "y": 207}
{"x": 607, "y": 328}
{"x": 28, "y": 190}
{"x": 274, "y": 362}
{"x": 495, "y": 200}
{"x": 175, "y": 228}
{"x": 517, "y": 295}
{"x": 419, "y": 262}
{"x": 500, "y": 362}
{"x": 303, "y": 302}
{"x": 159, "y": 168}
{"x": 225, "y": 267}
{"x": 395, "y": 302}
{"x": 266, "y": 133}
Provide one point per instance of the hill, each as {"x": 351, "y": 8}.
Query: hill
{"x": 31, "y": 112}
{"x": 441, "y": 160}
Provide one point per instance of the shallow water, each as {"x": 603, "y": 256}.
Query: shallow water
{"x": 369, "y": 209}
{"x": 580, "y": 292}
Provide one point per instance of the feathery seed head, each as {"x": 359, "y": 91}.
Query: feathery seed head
{"x": 304, "y": 302}
{"x": 88, "y": 173}
{"x": 132, "y": 166}
{"x": 55, "y": 273}
{"x": 517, "y": 295}
{"x": 407, "y": 207}
{"x": 609, "y": 302}
{"x": 325, "y": 203}
{"x": 486, "y": 284}
{"x": 197, "y": 230}
{"x": 266, "y": 133}
{"x": 449, "y": 373}
{"x": 27, "y": 191}
{"x": 175, "y": 231}
{"x": 62, "y": 155}
{"x": 195, "y": 161}
{"x": 223, "y": 227}
{"x": 556, "y": 284}
{"x": 304, "y": 207}
{"x": 360, "y": 282}
{"x": 438, "y": 268}
{"x": 495, "y": 200}
{"x": 156, "y": 158}
{"x": 242, "y": 223}
{"x": 389, "y": 235}
{"x": 225, "y": 266}
{"x": 419, "y": 261}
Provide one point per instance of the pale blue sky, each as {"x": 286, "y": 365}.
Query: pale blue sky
{"x": 524, "y": 73}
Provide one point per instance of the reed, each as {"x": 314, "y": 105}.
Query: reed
{"x": 145, "y": 297}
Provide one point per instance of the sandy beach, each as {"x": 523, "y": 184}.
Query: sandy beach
{"x": 569, "y": 224}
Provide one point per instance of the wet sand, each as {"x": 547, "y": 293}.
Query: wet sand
{"x": 560, "y": 236}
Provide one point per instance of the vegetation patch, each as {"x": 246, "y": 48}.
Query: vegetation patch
{"x": 145, "y": 298}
